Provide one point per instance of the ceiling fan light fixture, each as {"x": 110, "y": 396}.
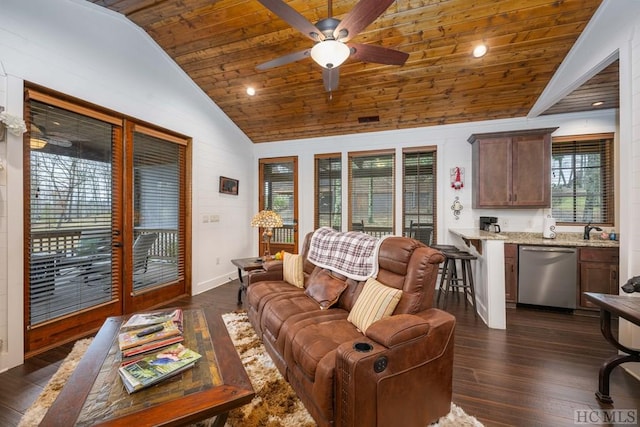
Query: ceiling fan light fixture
{"x": 37, "y": 143}
{"x": 330, "y": 53}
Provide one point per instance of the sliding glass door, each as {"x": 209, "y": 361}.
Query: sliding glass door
{"x": 105, "y": 218}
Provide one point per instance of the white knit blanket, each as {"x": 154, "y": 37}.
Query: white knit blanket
{"x": 352, "y": 254}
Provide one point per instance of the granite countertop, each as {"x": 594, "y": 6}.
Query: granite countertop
{"x": 524, "y": 238}
{"x": 477, "y": 234}
{"x": 562, "y": 239}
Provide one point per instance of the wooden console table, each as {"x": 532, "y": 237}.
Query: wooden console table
{"x": 625, "y": 307}
{"x": 94, "y": 394}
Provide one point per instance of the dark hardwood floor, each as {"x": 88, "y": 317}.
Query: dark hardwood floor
{"x": 535, "y": 373}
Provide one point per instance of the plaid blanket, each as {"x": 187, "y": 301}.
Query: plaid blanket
{"x": 352, "y": 254}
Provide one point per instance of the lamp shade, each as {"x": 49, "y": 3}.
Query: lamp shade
{"x": 266, "y": 219}
{"x": 330, "y": 53}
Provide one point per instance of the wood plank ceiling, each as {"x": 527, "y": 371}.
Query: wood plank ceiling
{"x": 219, "y": 43}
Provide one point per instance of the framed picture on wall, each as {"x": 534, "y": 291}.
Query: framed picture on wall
{"x": 229, "y": 185}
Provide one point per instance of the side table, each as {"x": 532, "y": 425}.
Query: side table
{"x": 625, "y": 307}
{"x": 245, "y": 264}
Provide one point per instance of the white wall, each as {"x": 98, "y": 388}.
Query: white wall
{"x": 88, "y": 52}
{"x": 630, "y": 177}
{"x": 4, "y": 319}
{"x": 453, "y": 150}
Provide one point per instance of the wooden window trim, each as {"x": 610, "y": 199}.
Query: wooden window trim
{"x": 424, "y": 149}
{"x": 156, "y": 133}
{"x": 76, "y": 107}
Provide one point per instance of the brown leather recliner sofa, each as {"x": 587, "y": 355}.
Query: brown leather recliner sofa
{"x": 398, "y": 374}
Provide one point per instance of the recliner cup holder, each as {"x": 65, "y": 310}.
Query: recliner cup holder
{"x": 362, "y": 346}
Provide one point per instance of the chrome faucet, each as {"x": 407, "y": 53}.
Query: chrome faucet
{"x": 587, "y": 230}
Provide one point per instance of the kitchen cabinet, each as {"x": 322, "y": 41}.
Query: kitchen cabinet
{"x": 598, "y": 272}
{"x": 512, "y": 169}
{"x": 511, "y": 272}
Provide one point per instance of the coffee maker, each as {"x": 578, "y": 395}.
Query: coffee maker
{"x": 489, "y": 223}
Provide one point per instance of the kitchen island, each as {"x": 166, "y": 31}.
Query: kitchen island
{"x": 489, "y": 271}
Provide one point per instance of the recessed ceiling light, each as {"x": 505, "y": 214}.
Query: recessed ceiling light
{"x": 251, "y": 91}
{"x": 597, "y": 103}
{"x": 479, "y": 50}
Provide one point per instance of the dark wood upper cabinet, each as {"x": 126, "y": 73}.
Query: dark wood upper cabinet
{"x": 512, "y": 169}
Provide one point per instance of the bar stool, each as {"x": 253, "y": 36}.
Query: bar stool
{"x": 443, "y": 265}
{"x": 450, "y": 278}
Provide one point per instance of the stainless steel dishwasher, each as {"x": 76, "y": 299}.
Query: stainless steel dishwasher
{"x": 547, "y": 275}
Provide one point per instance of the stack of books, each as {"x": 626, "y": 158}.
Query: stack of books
{"x": 155, "y": 338}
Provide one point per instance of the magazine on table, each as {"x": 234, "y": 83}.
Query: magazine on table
{"x": 137, "y": 337}
{"x": 151, "y": 346}
{"x": 144, "y": 372}
{"x": 150, "y": 318}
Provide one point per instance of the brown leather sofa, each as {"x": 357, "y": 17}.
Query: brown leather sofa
{"x": 404, "y": 375}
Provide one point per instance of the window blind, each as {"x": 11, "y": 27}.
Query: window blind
{"x": 278, "y": 189}
{"x": 582, "y": 180}
{"x": 371, "y": 191}
{"x": 157, "y": 248}
{"x": 419, "y": 194}
{"x": 69, "y": 211}
{"x": 278, "y": 195}
{"x": 328, "y": 191}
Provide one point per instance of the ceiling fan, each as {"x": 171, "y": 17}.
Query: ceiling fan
{"x": 331, "y": 36}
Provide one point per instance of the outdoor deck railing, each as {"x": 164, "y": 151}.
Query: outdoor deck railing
{"x": 66, "y": 241}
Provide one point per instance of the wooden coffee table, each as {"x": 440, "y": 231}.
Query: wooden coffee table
{"x": 95, "y": 395}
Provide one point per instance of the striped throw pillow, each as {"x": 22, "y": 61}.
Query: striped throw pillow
{"x": 375, "y": 302}
{"x": 292, "y": 269}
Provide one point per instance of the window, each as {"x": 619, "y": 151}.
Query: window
{"x": 582, "y": 179}
{"x": 328, "y": 191}
{"x": 371, "y": 192}
{"x": 279, "y": 193}
{"x": 419, "y": 193}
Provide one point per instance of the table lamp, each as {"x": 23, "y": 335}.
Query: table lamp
{"x": 267, "y": 220}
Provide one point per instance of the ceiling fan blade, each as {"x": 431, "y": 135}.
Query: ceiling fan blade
{"x": 331, "y": 77}
{"x": 362, "y": 14}
{"x": 60, "y": 142}
{"x": 293, "y": 18}
{"x": 377, "y": 54}
{"x": 286, "y": 59}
